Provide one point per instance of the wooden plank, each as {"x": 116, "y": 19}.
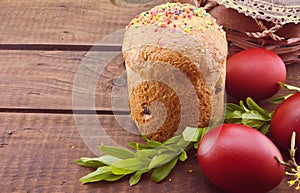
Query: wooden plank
{"x": 67, "y": 21}
{"x": 46, "y": 80}
{"x": 38, "y": 157}
{"x": 73, "y": 80}
{"x": 38, "y": 151}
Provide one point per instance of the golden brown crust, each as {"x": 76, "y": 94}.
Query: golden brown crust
{"x": 147, "y": 92}
{"x": 148, "y": 115}
{"x": 192, "y": 72}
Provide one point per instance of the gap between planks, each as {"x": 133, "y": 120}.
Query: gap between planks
{"x": 62, "y": 111}
{"x": 62, "y": 47}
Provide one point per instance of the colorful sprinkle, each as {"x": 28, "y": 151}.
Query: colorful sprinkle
{"x": 208, "y": 24}
{"x": 168, "y": 14}
{"x": 187, "y": 30}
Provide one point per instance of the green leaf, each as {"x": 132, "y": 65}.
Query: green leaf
{"x": 233, "y": 113}
{"x": 162, "y": 172}
{"x": 169, "y": 149}
{"x": 153, "y": 144}
{"x": 135, "y": 178}
{"x": 234, "y": 117}
{"x": 254, "y": 119}
{"x": 144, "y": 137}
{"x": 102, "y": 173}
{"x": 121, "y": 171}
{"x": 191, "y": 134}
{"x": 182, "y": 144}
{"x": 138, "y": 146}
{"x": 176, "y": 143}
{"x": 173, "y": 140}
{"x": 174, "y": 148}
{"x": 97, "y": 162}
{"x": 245, "y": 109}
{"x": 118, "y": 152}
{"x": 231, "y": 107}
{"x": 108, "y": 160}
{"x": 183, "y": 156}
{"x": 130, "y": 164}
{"x": 253, "y": 106}
{"x": 147, "y": 153}
{"x": 112, "y": 177}
{"x": 281, "y": 99}
{"x": 265, "y": 128}
{"x": 97, "y": 175}
{"x": 255, "y": 115}
{"x": 90, "y": 162}
{"x": 289, "y": 87}
{"x": 162, "y": 159}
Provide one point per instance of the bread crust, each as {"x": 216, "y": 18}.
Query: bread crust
{"x": 166, "y": 86}
{"x": 170, "y": 60}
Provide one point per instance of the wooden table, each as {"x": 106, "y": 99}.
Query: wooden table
{"x": 56, "y": 93}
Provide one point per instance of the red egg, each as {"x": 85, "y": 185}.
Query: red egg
{"x": 240, "y": 159}
{"x": 254, "y": 73}
{"x": 285, "y": 121}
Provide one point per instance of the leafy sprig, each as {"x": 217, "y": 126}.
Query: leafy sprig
{"x": 251, "y": 115}
{"x": 288, "y": 87}
{"x": 159, "y": 158}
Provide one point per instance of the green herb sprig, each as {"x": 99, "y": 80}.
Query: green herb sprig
{"x": 251, "y": 115}
{"x": 283, "y": 98}
{"x": 159, "y": 158}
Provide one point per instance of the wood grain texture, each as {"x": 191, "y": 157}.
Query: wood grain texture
{"x": 65, "y": 21}
{"x": 37, "y": 148}
{"x": 38, "y": 152}
{"x": 48, "y": 72}
{"x": 46, "y": 80}
{"x": 38, "y": 157}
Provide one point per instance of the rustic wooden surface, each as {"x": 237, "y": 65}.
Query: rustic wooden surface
{"x": 43, "y": 45}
